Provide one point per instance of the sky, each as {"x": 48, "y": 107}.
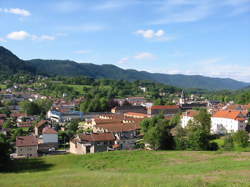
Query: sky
{"x": 192, "y": 37}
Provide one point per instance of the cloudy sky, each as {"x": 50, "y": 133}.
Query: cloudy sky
{"x": 206, "y": 37}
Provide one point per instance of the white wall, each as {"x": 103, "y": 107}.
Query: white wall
{"x": 226, "y": 125}
{"x": 50, "y": 138}
{"x": 185, "y": 120}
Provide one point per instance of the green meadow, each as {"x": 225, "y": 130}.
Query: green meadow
{"x": 133, "y": 168}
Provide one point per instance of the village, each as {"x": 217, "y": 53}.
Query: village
{"x": 117, "y": 129}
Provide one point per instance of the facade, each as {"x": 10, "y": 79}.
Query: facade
{"x": 40, "y": 126}
{"x": 92, "y": 143}
{"x": 49, "y": 135}
{"x": 227, "y": 121}
{"x": 165, "y": 109}
{"x": 64, "y": 116}
{"x": 187, "y": 116}
{"x": 124, "y": 109}
{"x": 26, "y": 146}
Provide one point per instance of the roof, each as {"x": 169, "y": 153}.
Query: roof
{"x": 3, "y": 115}
{"x": 41, "y": 123}
{"x": 49, "y": 130}
{"x": 94, "y": 137}
{"x": 135, "y": 114}
{"x": 191, "y": 113}
{"x": 165, "y": 107}
{"x": 22, "y": 141}
{"x": 230, "y": 114}
{"x": 16, "y": 115}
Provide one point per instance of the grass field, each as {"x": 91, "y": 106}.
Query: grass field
{"x": 2, "y": 86}
{"x": 133, "y": 168}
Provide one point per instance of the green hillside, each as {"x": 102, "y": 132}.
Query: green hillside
{"x": 11, "y": 64}
{"x": 133, "y": 168}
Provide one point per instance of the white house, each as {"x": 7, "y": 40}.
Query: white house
{"x": 187, "y": 116}
{"x": 227, "y": 121}
{"x": 49, "y": 135}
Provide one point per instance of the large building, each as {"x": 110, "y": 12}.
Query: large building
{"x": 92, "y": 143}
{"x": 59, "y": 116}
{"x": 227, "y": 121}
{"x": 26, "y": 146}
{"x": 167, "y": 110}
{"x": 188, "y": 116}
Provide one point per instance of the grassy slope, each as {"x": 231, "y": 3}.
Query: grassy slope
{"x": 2, "y": 86}
{"x": 134, "y": 168}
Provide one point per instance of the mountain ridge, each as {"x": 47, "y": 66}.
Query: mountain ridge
{"x": 71, "y": 68}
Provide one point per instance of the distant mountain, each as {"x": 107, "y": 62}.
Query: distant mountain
{"x": 71, "y": 68}
{"x": 10, "y": 64}
{"x": 13, "y": 64}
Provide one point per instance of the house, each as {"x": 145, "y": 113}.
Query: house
{"x": 92, "y": 143}
{"x": 164, "y": 109}
{"x": 125, "y": 128}
{"x": 124, "y": 109}
{"x": 135, "y": 115}
{"x": 64, "y": 115}
{"x": 39, "y": 127}
{"x": 136, "y": 101}
{"x": 26, "y": 146}
{"x": 227, "y": 121}
{"x": 48, "y": 140}
{"x": 187, "y": 116}
{"x": 49, "y": 135}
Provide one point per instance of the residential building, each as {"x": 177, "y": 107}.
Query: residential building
{"x": 227, "y": 121}
{"x": 92, "y": 143}
{"x": 188, "y": 116}
{"x": 164, "y": 109}
{"x": 26, "y": 146}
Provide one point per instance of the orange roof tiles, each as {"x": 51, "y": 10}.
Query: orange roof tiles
{"x": 230, "y": 114}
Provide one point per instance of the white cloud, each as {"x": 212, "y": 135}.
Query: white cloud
{"x": 214, "y": 67}
{"x": 17, "y": 11}
{"x": 2, "y": 40}
{"x": 22, "y": 35}
{"x": 84, "y": 28}
{"x": 180, "y": 11}
{"x": 211, "y": 61}
{"x": 139, "y": 57}
{"x": 157, "y": 35}
{"x": 144, "y": 56}
{"x": 82, "y": 51}
{"x": 123, "y": 60}
{"x": 18, "y": 35}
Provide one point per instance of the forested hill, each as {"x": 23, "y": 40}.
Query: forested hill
{"x": 9, "y": 63}
{"x": 71, "y": 68}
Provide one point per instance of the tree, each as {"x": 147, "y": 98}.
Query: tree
{"x": 30, "y": 108}
{"x": 180, "y": 138}
{"x": 5, "y": 150}
{"x": 157, "y": 133}
{"x": 241, "y": 138}
{"x": 228, "y": 143}
{"x": 198, "y": 131}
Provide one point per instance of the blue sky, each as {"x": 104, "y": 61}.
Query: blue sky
{"x": 206, "y": 37}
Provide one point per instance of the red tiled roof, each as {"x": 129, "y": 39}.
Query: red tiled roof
{"x": 164, "y": 107}
{"x": 135, "y": 114}
{"x": 16, "y": 115}
{"x": 191, "y": 113}
{"x": 40, "y": 123}
{"x": 94, "y": 137}
{"x": 3, "y": 115}
{"x": 22, "y": 141}
{"x": 48, "y": 130}
{"x": 230, "y": 114}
